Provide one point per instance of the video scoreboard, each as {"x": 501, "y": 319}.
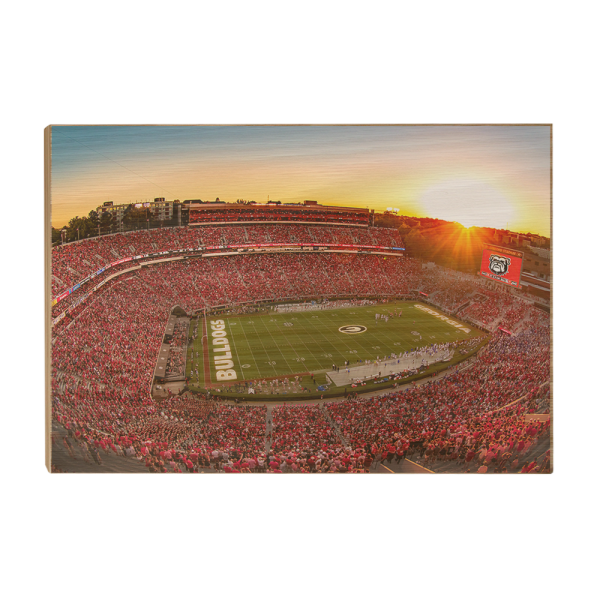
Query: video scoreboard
{"x": 502, "y": 264}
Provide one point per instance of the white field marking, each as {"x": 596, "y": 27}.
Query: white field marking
{"x": 250, "y": 349}
{"x": 426, "y": 328}
{"x": 219, "y": 332}
{"x": 381, "y": 333}
{"x": 317, "y": 343}
{"x": 276, "y": 346}
{"x": 334, "y": 325}
{"x": 309, "y": 350}
{"x": 287, "y": 341}
{"x": 443, "y": 318}
{"x": 236, "y": 352}
{"x": 327, "y": 341}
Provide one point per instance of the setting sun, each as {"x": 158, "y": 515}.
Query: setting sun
{"x": 469, "y": 202}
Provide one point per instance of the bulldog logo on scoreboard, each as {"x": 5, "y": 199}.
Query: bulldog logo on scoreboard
{"x": 499, "y": 264}
{"x": 352, "y": 329}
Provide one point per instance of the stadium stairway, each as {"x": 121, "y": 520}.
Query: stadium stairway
{"x": 82, "y": 462}
{"x": 268, "y": 428}
{"x": 334, "y": 425}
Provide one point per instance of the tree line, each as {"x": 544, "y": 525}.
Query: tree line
{"x": 80, "y": 228}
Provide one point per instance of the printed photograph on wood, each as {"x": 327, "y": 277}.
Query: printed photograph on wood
{"x": 299, "y": 299}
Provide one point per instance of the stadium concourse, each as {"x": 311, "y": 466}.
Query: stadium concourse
{"x": 113, "y": 297}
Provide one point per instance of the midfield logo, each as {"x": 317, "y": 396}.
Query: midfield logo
{"x": 352, "y": 329}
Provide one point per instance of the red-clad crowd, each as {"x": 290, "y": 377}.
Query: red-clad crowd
{"x": 466, "y": 404}
{"x": 301, "y": 428}
{"x": 73, "y": 262}
{"x": 104, "y": 354}
{"x": 489, "y": 306}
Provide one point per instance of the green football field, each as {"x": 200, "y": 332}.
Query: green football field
{"x": 264, "y": 346}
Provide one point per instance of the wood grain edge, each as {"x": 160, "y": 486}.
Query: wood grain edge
{"x": 47, "y": 291}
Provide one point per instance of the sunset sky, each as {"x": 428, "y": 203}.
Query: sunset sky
{"x": 479, "y": 175}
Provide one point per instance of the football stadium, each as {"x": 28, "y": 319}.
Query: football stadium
{"x": 293, "y": 339}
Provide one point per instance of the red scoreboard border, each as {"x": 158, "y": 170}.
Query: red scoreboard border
{"x": 484, "y": 272}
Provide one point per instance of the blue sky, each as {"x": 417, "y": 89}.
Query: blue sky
{"x": 488, "y": 174}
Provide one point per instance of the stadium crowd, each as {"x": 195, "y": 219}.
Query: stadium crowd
{"x": 178, "y": 346}
{"x": 73, "y": 262}
{"x": 511, "y": 369}
{"x": 274, "y": 212}
{"x": 104, "y": 353}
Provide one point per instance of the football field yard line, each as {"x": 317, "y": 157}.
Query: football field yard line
{"x": 250, "y": 347}
{"x": 279, "y": 349}
{"x": 385, "y": 335}
{"x": 391, "y": 341}
{"x": 394, "y": 336}
{"x": 269, "y": 359}
{"x": 336, "y": 350}
{"x": 235, "y": 347}
{"x": 254, "y": 358}
{"x": 428, "y": 328}
{"x": 435, "y": 330}
{"x": 450, "y": 332}
{"x": 335, "y": 329}
{"x": 357, "y": 341}
{"x": 309, "y": 363}
{"x": 300, "y": 324}
{"x": 318, "y": 361}
{"x": 326, "y": 340}
{"x": 377, "y": 328}
{"x": 285, "y": 335}
{"x": 347, "y": 341}
{"x": 389, "y": 332}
